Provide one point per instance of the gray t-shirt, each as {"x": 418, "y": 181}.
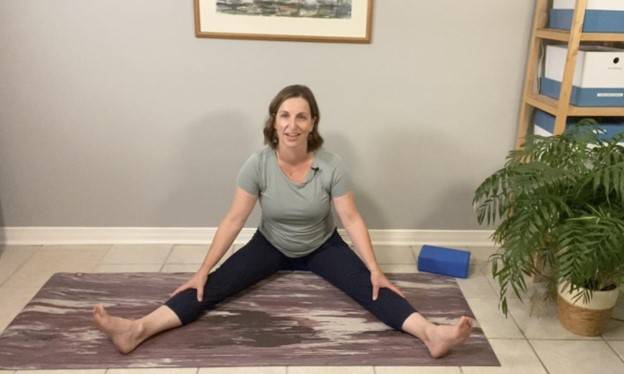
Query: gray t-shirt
{"x": 296, "y": 218}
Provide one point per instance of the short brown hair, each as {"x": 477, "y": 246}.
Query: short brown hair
{"x": 270, "y": 137}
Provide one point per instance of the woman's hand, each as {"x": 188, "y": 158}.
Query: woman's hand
{"x": 379, "y": 280}
{"x": 197, "y": 282}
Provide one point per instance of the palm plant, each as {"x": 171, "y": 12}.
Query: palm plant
{"x": 559, "y": 205}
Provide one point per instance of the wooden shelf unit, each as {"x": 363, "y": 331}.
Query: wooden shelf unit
{"x": 559, "y": 108}
{"x": 564, "y": 36}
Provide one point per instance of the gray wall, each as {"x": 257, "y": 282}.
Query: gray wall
{"x": 112, "y": 113}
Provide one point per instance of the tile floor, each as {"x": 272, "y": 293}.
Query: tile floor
{"x": 524, "y": 342}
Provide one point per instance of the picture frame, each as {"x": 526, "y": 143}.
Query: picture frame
{"x": 337, "y": 21}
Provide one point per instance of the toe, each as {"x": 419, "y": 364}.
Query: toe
{"x": 101, "y": 310}
{"x": 465, "y": 322}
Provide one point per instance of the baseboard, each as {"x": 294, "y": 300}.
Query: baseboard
{"x": 197, "y": 235}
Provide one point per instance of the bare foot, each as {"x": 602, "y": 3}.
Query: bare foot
{"x": 441, "y": 338}
{"x": 125, "y": 333}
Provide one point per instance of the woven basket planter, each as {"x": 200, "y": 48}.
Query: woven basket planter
{"x": 587, "y": 319}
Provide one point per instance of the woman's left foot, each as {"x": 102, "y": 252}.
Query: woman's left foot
{"x": 125, "y": 334}
{"x": 441, "y": 338}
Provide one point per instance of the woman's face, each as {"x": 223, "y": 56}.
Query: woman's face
{"x": 293, "y": 123}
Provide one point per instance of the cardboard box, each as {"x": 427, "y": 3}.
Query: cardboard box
{"x": 544, "y": 125}
{"x": 598, "y": 76}
{"x": 600, "y": 15}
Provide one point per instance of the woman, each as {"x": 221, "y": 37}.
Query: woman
{"x": 296, "y": 182}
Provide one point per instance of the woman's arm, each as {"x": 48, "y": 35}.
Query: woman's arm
{"x": 358, "y": 232}
{"x": 242, "y": 205}
{"x": 230, "y": 226}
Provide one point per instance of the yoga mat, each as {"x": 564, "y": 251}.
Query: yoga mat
{"x": 289, "y": 319}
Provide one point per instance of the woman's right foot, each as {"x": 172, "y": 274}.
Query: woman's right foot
{"x": 125, "y": 334}
{"x": 441, "y": 338}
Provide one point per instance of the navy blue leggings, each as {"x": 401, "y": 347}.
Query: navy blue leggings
{"x": 258, "y": 259}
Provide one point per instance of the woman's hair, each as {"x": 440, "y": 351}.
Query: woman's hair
{"x": 270, "y": 136}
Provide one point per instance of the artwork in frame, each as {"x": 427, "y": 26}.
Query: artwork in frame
{"x": 347, "y": 21}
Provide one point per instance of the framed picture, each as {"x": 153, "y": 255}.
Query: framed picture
{"x": 344, "y": 21}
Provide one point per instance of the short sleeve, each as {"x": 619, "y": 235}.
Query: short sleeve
{"x": 249, "y": 175}
{"x": 340, "y": 183}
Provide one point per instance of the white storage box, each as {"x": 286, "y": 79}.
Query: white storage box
{"x": 598, "y": 76}
{"x": 600, "y": 15}
{"x": 544, "y": 125}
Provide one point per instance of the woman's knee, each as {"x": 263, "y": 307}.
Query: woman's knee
{"x": 391, "y": 308}
{"x": 186, "y": 306}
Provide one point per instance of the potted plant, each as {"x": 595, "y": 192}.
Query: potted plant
{"x": 558, "y": 204}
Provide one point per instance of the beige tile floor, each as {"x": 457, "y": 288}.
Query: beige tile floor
{"x": 525, "y": 342}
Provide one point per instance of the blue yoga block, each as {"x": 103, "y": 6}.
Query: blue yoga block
{"x": 445, "y": 261}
